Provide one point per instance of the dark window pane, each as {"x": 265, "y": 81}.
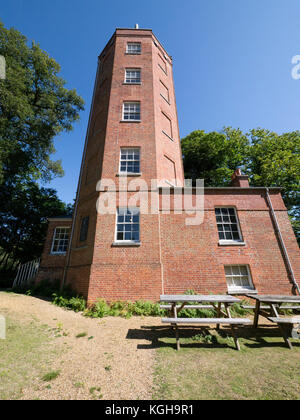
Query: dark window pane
{"x": 84, "y": 229}
{"x": 228, "y": 235}
{"x": 236, "y": 235}
{"x": 120, "y": 236}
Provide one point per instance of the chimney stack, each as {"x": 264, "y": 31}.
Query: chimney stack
{"x": 239, "y": 180}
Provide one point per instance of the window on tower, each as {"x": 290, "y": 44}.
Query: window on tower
{"x": 134, "y": 48}
{"x": 131, "y": 111}
{"x": 128, "y": 225}
{"x": 130, "y": 161}
{"x": 133, "y": 76}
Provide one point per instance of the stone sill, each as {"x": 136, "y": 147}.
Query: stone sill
{"x": 231, "y": 243}
{"x": 130, "y": 121}
{"x": 126, "y": 244}
{"x": 243, "y": 292}
{"x": 132, "y": 84}
{"x": 129, "y": 174}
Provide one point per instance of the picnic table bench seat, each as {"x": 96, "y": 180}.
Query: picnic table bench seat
{"x": 267, "y": 307}
{"x": 188, "y": 307}
{"x": 289, "y": 327}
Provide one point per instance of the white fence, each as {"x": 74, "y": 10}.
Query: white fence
{"x": 26, "y": 273}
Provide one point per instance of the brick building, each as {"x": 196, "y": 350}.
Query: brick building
{"x": 245, "y": 242}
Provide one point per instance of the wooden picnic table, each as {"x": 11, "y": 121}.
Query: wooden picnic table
{"x": 215, "y": 301}
{"x": 275, "y": 302}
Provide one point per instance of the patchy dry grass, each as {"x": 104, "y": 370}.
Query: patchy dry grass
{"x": 22, "y": 357}
{"x": 264, "y": 369}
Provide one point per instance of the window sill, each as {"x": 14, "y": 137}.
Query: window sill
{"x": 167, "y": 135}
{"x": 231, "y": 243}
{"x": 131, "y": 121}
{"x": 243, "y": 292}
{"x": 58, "y": 254}
{"x": 135, "y": 83}
{"x": 129, "y": 174}
{"x": 133, "y": 53}
{"x": 126, "y": 244}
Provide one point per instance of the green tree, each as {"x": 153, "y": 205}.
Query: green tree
{"x": 35, "y": 107}
{"x": 214, "y": 156}
{"x": 268, "y": 158}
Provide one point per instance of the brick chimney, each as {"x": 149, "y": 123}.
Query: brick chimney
{"x": 239, "y": 180}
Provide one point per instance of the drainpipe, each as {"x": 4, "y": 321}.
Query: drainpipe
{"x": 79, "y": 183}
{"x": 283, "y": 247}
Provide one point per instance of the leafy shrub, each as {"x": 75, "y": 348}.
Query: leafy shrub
{"x": 99, "y": 310}
{"x": 77, "y": 304}
{"x": 125, "y": 309}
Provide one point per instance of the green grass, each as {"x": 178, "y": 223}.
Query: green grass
{"x": 212, "y": 369}
{"x": 81, "y": 335}
{"x": 50, "y": 376}
{"x": 22, "y": 357}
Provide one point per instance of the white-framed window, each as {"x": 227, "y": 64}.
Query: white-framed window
{"x": 134, "y": 48}
{"x": 131, "y": 111}
{"x": 238, "y": 278}
{"x": 60, "y": 240}
{"x": 132, "y": 76}
{"x": 228, "y": 224}
{"x": 130, "y": 160}
{"x": 128, "y": 225}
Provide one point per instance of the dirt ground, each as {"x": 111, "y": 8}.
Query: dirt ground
{"x": 112, "y": 360}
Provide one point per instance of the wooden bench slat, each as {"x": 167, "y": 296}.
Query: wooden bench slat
{"x": 236, "y": 321}
{"x": 268, "y": 307}
{"x": 188, "y": 307}
{"x": 293, "y": 320}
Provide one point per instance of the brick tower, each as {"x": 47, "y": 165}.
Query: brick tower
{"x": 244, "y": 243}
{"x": 133, "y": 131}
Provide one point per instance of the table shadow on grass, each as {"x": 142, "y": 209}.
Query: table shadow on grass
{"x": 266, "y": 336}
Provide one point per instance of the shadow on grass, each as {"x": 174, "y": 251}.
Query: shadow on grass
{"x": 158, "y": 336}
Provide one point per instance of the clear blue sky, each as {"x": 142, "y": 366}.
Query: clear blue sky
{"x": 232, "y": 59}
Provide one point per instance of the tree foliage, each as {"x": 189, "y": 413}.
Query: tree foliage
{"x": 35, "y": 107}
{"x": 270, "y": 159}
{"x": 23, "y": 219}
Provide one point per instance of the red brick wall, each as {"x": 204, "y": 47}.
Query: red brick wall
{"x": 52, "y": 266}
